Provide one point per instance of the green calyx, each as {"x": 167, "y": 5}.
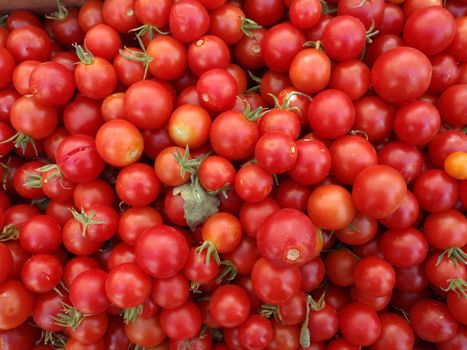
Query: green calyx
{"x": 3, "y": 20}
{"x": 318, "y": 45}
{"x": 328, "y": 9}
{"x": 21, "y": 140}
{"x": 186, "y": 164}
{"x": 456, "y": 254}
{"x": 359, "y": 133}
{"x": 458, "y": 286}
{"x": 130, "y": 315}
{"x": 9, "y": 233}
{"x": 56, "y": 340}
{"x": 211, "y": 251}
{"x": 84, "y": 55}
{"x": 371, "y": 32}
{"x": 86, "y": 219}
{"x": 305, "y": 339}
{"x": 137, "y": 56}
{"x": 198, "y": 204}
{"x": 55, "y": 174}
{"x": 252, "y": 115}
{"x": 228, "y": 273}
{"x": 248, "y": 25}
{"x": 311, "y": 305}
{"x": 288, "y": 100}
{"x": 68, "y": 317}
{"x": 32, "y": 180}
{"x": 60, "y": 14}
{"x": 149, "y": 30}
{"x": 269, "y": 311}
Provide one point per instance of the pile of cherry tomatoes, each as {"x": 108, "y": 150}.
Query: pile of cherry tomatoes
{"x": 243, "y": 175}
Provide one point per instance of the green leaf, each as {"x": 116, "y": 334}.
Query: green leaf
{"x": 198, "y": 204}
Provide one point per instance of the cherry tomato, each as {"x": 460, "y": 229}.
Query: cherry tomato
{"x": 119, "y": 142}
{"x": 408, "y": 81}
{"x": 378, "y": 191}
{"x": 287, "y": 238}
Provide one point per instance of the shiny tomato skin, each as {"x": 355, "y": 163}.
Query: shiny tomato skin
{"x": 378, "y": 190}
{"x": 188, "y": 20}
{"x": 344, "y": 38}
{"x": 90, "y": 14}
{"x": 350, "y": 154}
{"x": 29, "y": 43}
{"x": 275, "y": 285}
{"x": 170, "y": 292}
{"x": 119, "y": 143}
{"x": 459, "y": 43}
{"x": 405, "y": 158}
{"x": 374, "y": 276}
{"x": 40, "y": 234}
{"x": 264, "y": 12}
{"x": 280, "y": 45}
{"x": 351, "y": 77}
{"x": 137, "y": 184}
{"x": 370, "y": 13}
{"x": 54, "y": 94}
{"x": 169, "y": 58}
{"x": 287, "y": 238}
{"x": 331, "y": 114}
{"x": 313, "y": 162}
{"x": 17, "y": 304}
{"x": 120, "y": 14}
{"x": 247, "y": 51}
{"x": 417, "y": 123}
{"x": 420, "y": 24}
{"x": 452, "y": 105}
{"x": 445, "y": 143}
{"x": 366, "y": 330}
{"x": 161, "y": 251}
{"x": 229, "y": 306}
{"x": 252, "y": 215}
{"x": 189, "y": 125}
{"x": 32, "y": 118}
{"x": 432, "y": 321}
{"x": 87, "y": 292}
{"x": 217, "y": 90}
{"x": 96, "y": 80}
{"x": 276, "y": 152}
{"x": 396, "y": 333}
{"x": 404, "y": 247}
{"x": 181, "y": 323}
{"x": 226, "y": 23}
{"x": 256, "y": 332}
{"x": 244, "y": 256}
{"x": 405, "y": 215}
{"x": 223, "y": 230}
{"x": 148, "y": 104}
{"x": 310, "y": 71}
{"x": 7, "y": 67}
{"x": 436, "y": 191}
{"x": 78, "y": 158}
{"x": 127, "y": 286}
{"x": 446, "y": 229}
{"x": 153, "y": 12}
{"x": 446, "y": 73}
{"x": 41, "y": 273}
{"x": 252, "y": 183}
{"x": 233, "y": 136}
{"x": 207, "y": 53}
{"x": 408, "y": 81}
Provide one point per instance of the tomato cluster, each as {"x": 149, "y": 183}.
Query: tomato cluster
{"x": 241, "y": 175}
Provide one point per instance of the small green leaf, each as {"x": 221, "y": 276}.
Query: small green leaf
{"x": 198, "y": 204}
